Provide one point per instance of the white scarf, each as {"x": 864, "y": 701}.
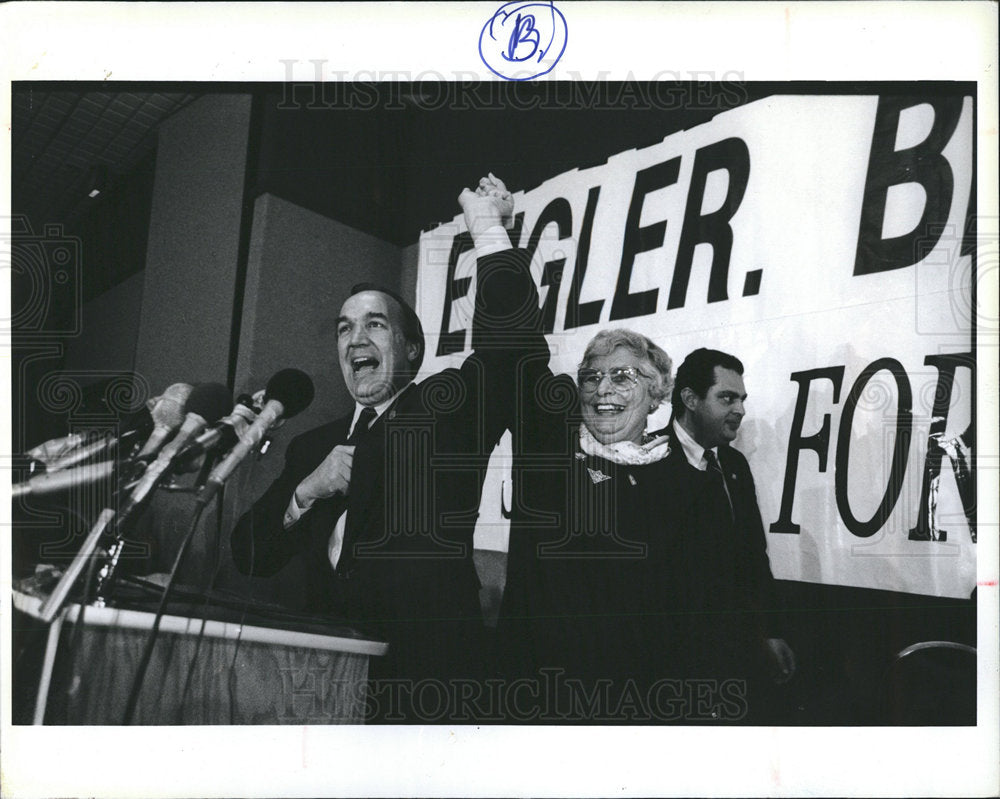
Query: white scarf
{"x": 625, "y": 452}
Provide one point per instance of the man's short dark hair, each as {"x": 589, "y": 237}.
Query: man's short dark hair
{"x": 413, "y": 331}
{"x": 698, "y": 374}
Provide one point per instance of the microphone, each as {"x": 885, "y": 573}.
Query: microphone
{"x": 289, "y": 392}
{"x": 71, "y": 450}
{"x": 50, "y": 483}
{"x": 158, "y": 420}
{"x": 221, "y": 437}
{"x": 168, "y": 412}
{"x": 61, "y": 455}
{"x": 57, "y": 448}
{"x": 206, "y": 403}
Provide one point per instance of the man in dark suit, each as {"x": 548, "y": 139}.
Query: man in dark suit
{"x": 728, "y": 589}
{"x": 384, "y": 501}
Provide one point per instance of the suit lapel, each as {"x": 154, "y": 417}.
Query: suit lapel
{"x": 734, "y": 480}
{"x": 683, "y": 477}
{"x": 366, "y": 494}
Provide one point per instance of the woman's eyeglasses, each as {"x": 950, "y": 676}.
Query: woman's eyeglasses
{"x": 624, "y": 377}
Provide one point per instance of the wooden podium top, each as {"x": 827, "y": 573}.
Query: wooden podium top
{"x": 212, "y": 628}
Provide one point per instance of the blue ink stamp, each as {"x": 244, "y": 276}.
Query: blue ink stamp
{"x": 523, "y": 39}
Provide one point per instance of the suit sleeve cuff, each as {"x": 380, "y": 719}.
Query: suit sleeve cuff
{"x": 294, "y": 511}
{"x": 492, "y": 240}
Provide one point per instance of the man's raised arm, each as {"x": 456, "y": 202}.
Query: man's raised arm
{"x": 506, "y": 313}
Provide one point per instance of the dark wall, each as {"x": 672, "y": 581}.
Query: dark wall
{"x": 193, "y": 259}
{"x": 70, "y": 311}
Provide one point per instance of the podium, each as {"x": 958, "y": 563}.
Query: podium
{"x": 202, "y": 671}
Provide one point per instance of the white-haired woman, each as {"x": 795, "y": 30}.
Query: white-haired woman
{"x": 589, "y": 603}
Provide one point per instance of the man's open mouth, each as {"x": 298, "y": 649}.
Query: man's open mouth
{"x": 363, "y": 364}
{"x": 608, "y": 408}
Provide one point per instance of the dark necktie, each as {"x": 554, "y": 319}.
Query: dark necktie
{"x": 718, "y": 479}
{"x": 361, "y": 426}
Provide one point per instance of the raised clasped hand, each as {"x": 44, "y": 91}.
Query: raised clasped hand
{"x": 489, "y": 205}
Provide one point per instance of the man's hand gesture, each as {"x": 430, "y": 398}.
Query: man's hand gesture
{"x": 331, "y": 477}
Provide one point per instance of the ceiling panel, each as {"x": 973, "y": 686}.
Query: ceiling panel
{"x": 60, "y": 136}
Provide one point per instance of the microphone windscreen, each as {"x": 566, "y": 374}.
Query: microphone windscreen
{"x": 178, "y": 391}
{"x": 293, "y": 388}
{"x": 168, "y": 408}
{"x": 211, "y": 401}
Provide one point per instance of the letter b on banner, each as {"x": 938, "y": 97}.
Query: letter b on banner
{"x": 922, "y": 164}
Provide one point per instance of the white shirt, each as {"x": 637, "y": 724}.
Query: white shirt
{"x": 695, "y": 454}
{"x": 492, "y": 240}
{"x": 693, "y": 451}
{"x": 294, "y": 511}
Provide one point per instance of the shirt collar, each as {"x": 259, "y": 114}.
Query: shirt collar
{"x": 379, "y": 409}
{"x": 693, "y": 451}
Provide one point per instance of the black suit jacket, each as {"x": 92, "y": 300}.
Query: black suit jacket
{"x": 406, "y": 570}
{"x": 727, "y": 591}
{"x": 592, "y": 601}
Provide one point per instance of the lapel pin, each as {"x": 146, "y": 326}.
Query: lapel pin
{"x": 597, "y": 475}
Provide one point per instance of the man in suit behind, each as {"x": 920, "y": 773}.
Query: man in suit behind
{"x": 728, "y": 588}
{"x": 384, "y": 501}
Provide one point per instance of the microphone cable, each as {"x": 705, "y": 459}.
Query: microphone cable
{"x": 206, "y": 597}
{"x": 147, "y": 652}
{"x": 209, "y": 589}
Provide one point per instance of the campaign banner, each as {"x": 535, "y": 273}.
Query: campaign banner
{"x": 821, "y": 240}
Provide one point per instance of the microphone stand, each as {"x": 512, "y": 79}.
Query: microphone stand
{"x": 106, "y": 521}
{"x": 90, "y": 549}
{"x": 54, "y": 602}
